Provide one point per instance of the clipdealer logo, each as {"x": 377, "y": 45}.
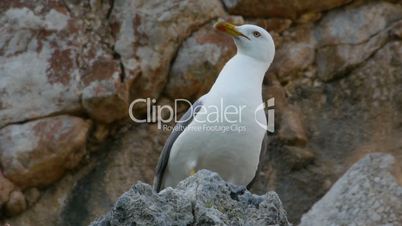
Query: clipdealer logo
{"x": 221, "y": 117}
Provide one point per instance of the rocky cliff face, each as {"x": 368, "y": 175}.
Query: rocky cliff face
{"x": 69, "y": 69}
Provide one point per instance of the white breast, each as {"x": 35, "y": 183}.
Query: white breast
{"x": 233, "y": 154}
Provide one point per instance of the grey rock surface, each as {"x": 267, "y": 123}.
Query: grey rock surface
{"x": 367, "y": 195}
{"x": 203, "y": 199}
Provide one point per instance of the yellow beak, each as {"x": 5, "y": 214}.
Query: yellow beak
{"x": 229, "y": 29}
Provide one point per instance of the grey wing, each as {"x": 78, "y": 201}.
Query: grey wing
{"x": 185, "y": 120}
{"x": 264, "y": 146}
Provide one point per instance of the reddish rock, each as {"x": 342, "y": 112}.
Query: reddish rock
{"x": 148, "y": 34}
{"x": 38, "y": 153}
{"x": 295, "y": 54}
{"x": 106, "y": 94}
{"x": 291, "y": 128}
{"x": 279, "y": 8}
{"x": 50, "y": 56}
{"x": 39, "y": 70}
{"x": 277, "y": 25}
{"x": 198, "y": 63}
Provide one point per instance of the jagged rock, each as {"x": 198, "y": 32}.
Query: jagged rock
{"x": 368, "y": 194}
{"x": 279, "y": 8}
{"x": 37, "y": 153}
{"x": 203, "y": 199}
{"x": 148, "y": 34}
{"x": 198, "y": 63}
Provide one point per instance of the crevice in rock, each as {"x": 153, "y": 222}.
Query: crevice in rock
{"x": 117, "y": 57}
{"x": 345, "y": 73}
{"x": 224, "y": 6}
{"x": 82, "y": 115}
{"x": 349, "y": 69}
{"x": 122, "y": 73}
{"x": 109, "y": 12}
{"x": 193, "y": 206}
{"x": 193, "y": 213}
{"x": 75, "y": 209}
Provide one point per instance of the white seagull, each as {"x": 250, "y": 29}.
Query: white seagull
{"x": 225, "y": 130}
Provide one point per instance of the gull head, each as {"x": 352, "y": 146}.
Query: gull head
{"x": 250, "y": 40}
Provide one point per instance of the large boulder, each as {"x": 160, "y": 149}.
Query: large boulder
{"x": 39, "y": 73}
{"x": 38, "y": 153}
{"x": 53, "y": 58}
{"x": 368, "y": 194}
{"x": 203, "y": 199}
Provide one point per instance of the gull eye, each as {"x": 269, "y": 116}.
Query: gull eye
{"x": 256, "y": 34}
